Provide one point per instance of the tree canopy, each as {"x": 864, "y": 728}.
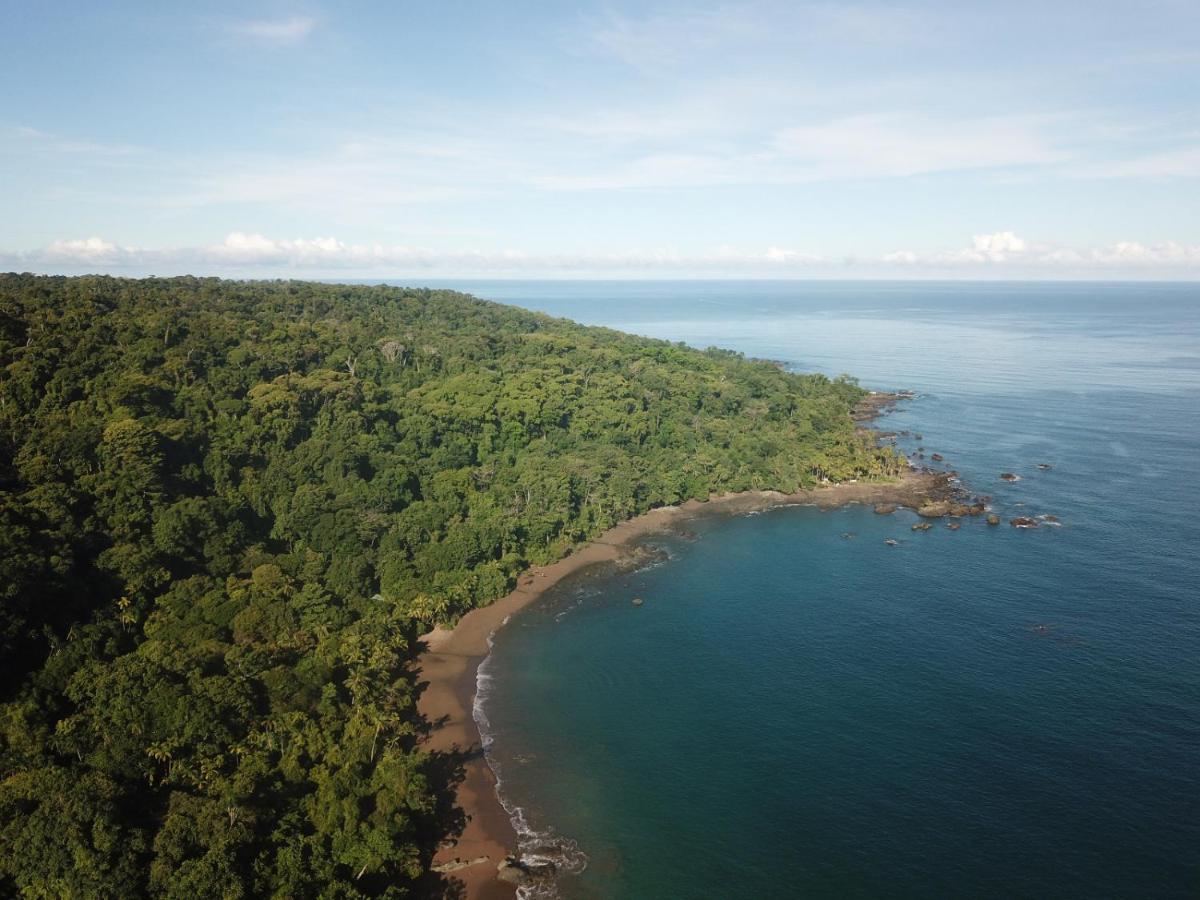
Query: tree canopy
{"x": 227, "y": 509}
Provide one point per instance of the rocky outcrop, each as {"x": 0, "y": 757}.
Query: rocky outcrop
{"x": 516, "y": 871}
{"x": 937, "y": 457}
{"x": 878, "y": 402}
{"x": 993, "y": 519}
{"x": 884, "y": 509}
{"x": 936, "y": 509}
{"x": 1009, "y": 476}
{"x": 922, "y": 526}
{"x": 642, "y": 556}
{"x": 1023, "y": 522}
{"x": 513, "y": 873}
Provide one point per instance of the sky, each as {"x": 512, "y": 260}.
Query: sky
{"x": 936, "y": 139}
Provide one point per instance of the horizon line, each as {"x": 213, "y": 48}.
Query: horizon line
{"x": 559, "y": 277}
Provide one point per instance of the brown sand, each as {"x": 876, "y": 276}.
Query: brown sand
{"x": 451, "y": 658}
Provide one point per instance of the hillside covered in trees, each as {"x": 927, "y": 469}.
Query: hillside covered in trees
{"x": 227, "y": 509}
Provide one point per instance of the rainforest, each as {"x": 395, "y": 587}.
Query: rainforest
{"x": 228, "y": 509}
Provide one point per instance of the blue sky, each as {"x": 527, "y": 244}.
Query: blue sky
{"x": 764, "y": 139}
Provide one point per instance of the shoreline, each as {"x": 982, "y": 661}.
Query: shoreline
{"x": 449, "y": 663}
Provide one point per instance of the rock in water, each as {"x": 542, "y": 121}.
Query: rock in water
{"x": 637, "y": 601}
{"x": 936, "y": 509}
{"x": 1009, "y": 476}
{"x": 1023, "y": 522}
{"x": 1045, "y": 467}
{"x": 993, "y": 519}
{"x": 884, "y": 509}
{"x": 922, "y": 526}
{"x": 517, "y": 871}
{"x": 512, "y": 871}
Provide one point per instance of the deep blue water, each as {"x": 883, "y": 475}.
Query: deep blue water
{"x": 987, "y": 712}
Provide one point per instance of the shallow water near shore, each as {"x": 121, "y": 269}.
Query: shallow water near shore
{"x": 801, "y": 709}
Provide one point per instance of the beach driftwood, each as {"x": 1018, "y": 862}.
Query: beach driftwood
{"x": 457, "y": 864}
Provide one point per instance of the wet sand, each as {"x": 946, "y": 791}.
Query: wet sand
{"x": 451, "y": 658}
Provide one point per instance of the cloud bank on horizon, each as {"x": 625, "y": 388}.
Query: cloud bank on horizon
{"x": 747, "y": 138}
{"x": 255, "y": 255}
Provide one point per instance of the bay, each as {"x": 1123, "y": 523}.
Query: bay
{"x": 982, "y": 712}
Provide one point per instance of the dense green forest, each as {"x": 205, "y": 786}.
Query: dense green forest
{"x": 227, "y": 509}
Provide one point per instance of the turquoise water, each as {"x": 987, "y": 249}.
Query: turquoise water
{"x": 987, "y": 712}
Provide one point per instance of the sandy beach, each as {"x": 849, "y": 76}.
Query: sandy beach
{"x": 451, "y": 658}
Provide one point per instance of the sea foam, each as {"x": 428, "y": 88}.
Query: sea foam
{"x": 534, "y": 847}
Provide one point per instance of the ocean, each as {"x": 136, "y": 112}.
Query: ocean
{"x": 801, "y": 710}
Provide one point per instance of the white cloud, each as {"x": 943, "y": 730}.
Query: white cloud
{"x": 1004, "y": 250}
{"x": 746, "y": 31}
{"x": 347, "y": 178}
{"x": 892, "y": 144}
{"x": 996, "y": 246}
{"x": 781, "y": 255}
{"x": 1168, "y": 253}
{"x": 246, "y": 253}
{"x": 91, "y": 250}
{"x": 663, "y": 39}
{"x": 42, "y": 142}
{"x": 275, "y": 31}
{"x": 243, "y": 251}
{"x": 1179, "y": 163}
{"x": 988, "y": 248}
{"x": 361, "y": 176}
